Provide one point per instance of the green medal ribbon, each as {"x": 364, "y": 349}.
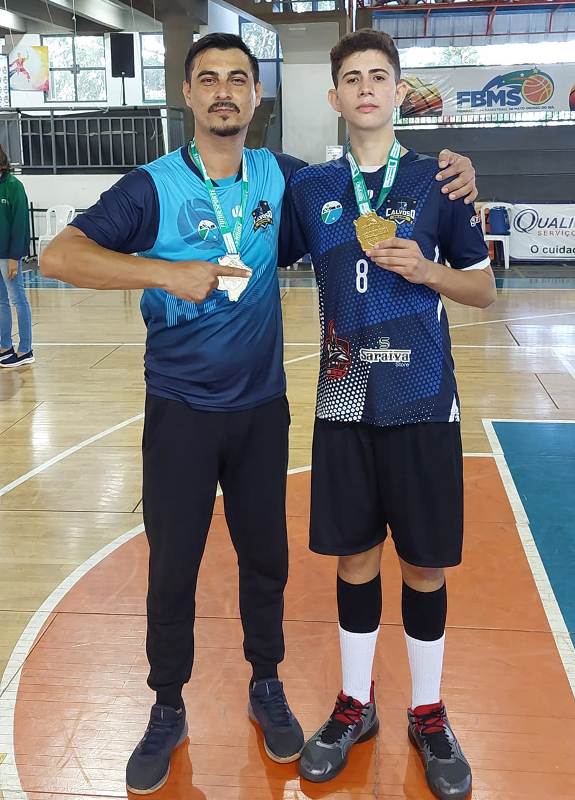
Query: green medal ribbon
{"x": 359, "y": 187}
{"x": 231, "y": 239}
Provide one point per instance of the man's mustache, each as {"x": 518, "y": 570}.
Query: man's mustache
{"x": 220, "y": 106}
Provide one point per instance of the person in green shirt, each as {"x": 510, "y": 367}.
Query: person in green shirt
{"x": 14, "y": 243}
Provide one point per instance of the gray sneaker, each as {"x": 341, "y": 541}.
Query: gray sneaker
{"x": 325, "y": 754}
{"x": 446, "y": 769}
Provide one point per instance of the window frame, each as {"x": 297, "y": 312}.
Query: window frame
{"x": 144, "y": 68}
{"x": 278, "y": 60}
{"x": 75, "y": 69}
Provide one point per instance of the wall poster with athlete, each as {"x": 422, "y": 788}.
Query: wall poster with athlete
{"x": 28, "y": 67}
{"x": 4, "y": 83}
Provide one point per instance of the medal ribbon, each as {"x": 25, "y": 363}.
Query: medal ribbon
{"x": 231, "y": 238}
{"x": 359, "y": 187}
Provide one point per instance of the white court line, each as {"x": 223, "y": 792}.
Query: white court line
{"x": 71, "y": 450}
{"x": 513, "y": 319}
{"x": 525, "y": 348}
{"x": 9, "y": 777}
{"x": 523, "y": 419}
{"x": 566, "y": 363}
{"x": 301, "y": 358}
{"x": 553, "y": 612}
{"x": 65, "y": 453}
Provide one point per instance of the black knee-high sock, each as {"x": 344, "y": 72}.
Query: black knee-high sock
{"x": 359, "y": 605}
{"x": 424, "y": 613}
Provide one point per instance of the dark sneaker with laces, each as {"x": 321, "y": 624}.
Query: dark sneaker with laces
{"x": 325, "y": 754}
{"x": 268, "y": 707}
{"x": 149, "y": 764}
{"x": 446, "y": 769}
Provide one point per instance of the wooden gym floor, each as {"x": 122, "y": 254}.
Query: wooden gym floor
{"x": 73, "y": 697}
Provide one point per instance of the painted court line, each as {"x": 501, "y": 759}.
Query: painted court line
{"x": 565, "y": 361}
{"x": 65, "y": 453}
{"x": 9, "y": 778}
{"x": 71, "y": 450}
{"x": 513, "y": 319}
{"x": 301, "y": 358}
{"x": 542, "y": 582}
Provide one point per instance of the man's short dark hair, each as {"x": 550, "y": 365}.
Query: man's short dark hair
{"x": 220, "y": 41}
{"x": 359, "y": 42}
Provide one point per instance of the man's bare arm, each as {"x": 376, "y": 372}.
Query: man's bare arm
{"x": 74, "y": 258}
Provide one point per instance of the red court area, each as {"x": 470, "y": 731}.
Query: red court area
{"x": 83, "y": 702}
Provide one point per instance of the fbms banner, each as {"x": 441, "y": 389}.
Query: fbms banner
{"x": 452, "y": 91}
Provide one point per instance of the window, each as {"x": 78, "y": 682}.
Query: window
{"x": 265, "y": 45}
{"x": 301, "y": 6}
{"x": 77, "y": 69}
{"x": 153, "y": 75}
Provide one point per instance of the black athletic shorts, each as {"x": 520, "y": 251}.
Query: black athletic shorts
{"x": 367, "y": 478}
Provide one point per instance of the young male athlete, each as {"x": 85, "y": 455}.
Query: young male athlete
{"x": 387, "y": 447}
{"x": 215, "y": 408}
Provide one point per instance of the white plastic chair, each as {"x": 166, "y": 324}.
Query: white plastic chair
{"x": 57, "y": 217}
{"x": 497, "y": 237}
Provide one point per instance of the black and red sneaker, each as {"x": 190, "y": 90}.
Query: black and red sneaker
{"x": 325, "y": 754}
{"x": 446, "y": 769}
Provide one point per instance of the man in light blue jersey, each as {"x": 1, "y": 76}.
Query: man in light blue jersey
{"x": 205, "y": 222}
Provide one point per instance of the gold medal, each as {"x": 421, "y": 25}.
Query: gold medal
{"x": 371, "y": 229}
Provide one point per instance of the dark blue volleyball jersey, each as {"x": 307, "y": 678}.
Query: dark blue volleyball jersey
{"x": 385, "y": 351}
{"x": 216, "y": 355}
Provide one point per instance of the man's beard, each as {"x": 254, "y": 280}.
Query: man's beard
{"x": 231, "y": 131}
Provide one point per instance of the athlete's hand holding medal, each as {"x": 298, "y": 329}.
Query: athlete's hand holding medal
{"x": 403, "y": 257}
{"x": 377, "y": 235}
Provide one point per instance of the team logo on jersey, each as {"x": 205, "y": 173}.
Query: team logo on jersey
{"x": 208, "y": 230}
{"x": 331, "y": 212}
{"x": 263, "y": 215}
{"x": 475, "y": 221}
{"x": 401, "y": 209}
{"x": 338, "y": 354}
{"x": 384, "y": 354}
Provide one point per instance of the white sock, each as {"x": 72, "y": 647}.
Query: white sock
{"x": 426, "y": 664}
{"x": 357, "y": 652}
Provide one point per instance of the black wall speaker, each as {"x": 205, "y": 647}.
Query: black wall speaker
{"x": 122, "y": 47}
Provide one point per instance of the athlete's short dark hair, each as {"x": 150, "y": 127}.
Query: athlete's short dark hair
{"x": 220, "y": 41}
{"x": 359, "y": 42}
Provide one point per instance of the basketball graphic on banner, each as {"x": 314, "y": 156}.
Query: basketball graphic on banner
{"x": 422, "y": 100}
{"x": 572, "y": 99}
{"x": 538, "y": 89}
